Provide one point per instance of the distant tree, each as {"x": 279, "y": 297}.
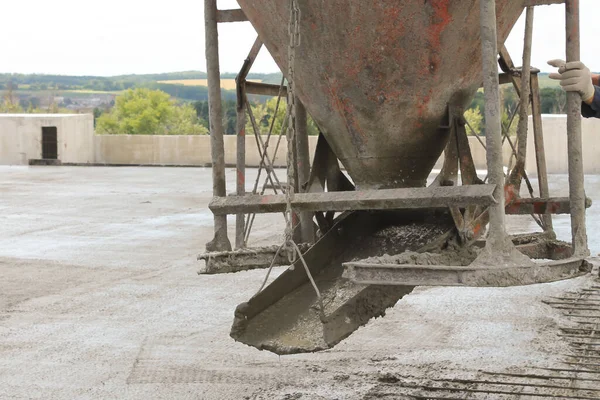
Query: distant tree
{"x": 507, "y": 126}
{"x": 474, "y": 119}
{"x": 509, "y": 98}
{"x": 478, "y": 101}
{"x": 149, "y": 112}
{"x": 230, "y": 117}
{"x": 265, "y": 112}
{"x": 553, "y": 100}
{"x": 34, "y": 102}
{"x": 10, "y": 103}
{"x": 201, "y": 107}
{"x": 229, "y": 108}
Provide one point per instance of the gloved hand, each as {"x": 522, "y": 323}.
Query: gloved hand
{"x": 574, "y": 77}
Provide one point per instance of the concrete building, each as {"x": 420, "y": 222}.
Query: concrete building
{"x": 66, "y": 138}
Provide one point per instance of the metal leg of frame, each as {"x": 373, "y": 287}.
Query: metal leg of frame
{"x": 220, "y": 241}
{"x": 240, "y": 169}
{"x": 303, "y": 170}
{"x": 525, "y": 92}
{"x": 576, "y": 177}
{"x": 497, "y": 232}
{"x": 540, "y": 151}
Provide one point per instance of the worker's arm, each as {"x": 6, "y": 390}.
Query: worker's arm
{"x": 591, "y": 108}
{"x": 576, "y": 77}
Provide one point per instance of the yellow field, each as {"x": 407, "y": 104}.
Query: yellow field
{"x": 227, "y": 84}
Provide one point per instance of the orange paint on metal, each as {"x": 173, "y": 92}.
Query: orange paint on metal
{"x": 441, "y": 19}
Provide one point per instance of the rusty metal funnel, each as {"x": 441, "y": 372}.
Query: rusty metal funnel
{"x": 377, "y": 76}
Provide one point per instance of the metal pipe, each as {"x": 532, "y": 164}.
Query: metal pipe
{"x": 574, "y": 143}
{"x": 540, "y": 151}
{"x": 220, "y": 241}
{"x": 525, "y": 91}
{"x": 489, "y": 45}
{"x": 240, "y": 80}
{"x": 303, "y": 169}
{"x": 240, "y": 166}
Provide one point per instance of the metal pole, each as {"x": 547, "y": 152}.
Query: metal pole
{"x": 240, "y": 226}
{"x": 241, "y": 167}
{"x": 540, "y": 151}
{"x": 574, "y": 144}
{"x": 303, "y": 170}
{"x": 493, "y": 131}
{"x": 525, "y": 91}
{"x": 220, "y": 241}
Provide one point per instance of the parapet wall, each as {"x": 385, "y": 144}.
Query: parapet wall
{"x": 20, "y": 140}
{"x": 181, "y": 150}
{"x": 195, "y": 150}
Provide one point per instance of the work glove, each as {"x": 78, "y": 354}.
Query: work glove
{"x": 574, "y": 77}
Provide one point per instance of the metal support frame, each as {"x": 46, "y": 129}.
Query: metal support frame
{"x": 241, "y": 139}
{"x": 240, "y": 160}
{"x": 307, "y": 231}
{"x": 471, "y": 218}
{"x": 497, "y": 233}
{"x": 540, "y": 151}
{"x": 383, "y": 199}
{"x": 220, "y": 241}
{"x": 525, "y": 83}
{"x": 301, "y": 150}
{"x": 574, "y": 144}
{"x": 525, "y": 93}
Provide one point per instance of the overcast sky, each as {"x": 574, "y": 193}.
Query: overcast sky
{"x": 110, "y": 37}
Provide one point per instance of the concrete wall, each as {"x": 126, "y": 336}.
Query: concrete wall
{"x": 181, "y": 150}
{"x": 555, "y": 144}
{"x": 20, "y": 140}
{"x": 195, "y": 150}
{"x": 21, "y": 137}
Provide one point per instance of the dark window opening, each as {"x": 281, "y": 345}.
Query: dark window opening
{"x": 49, "y": 143}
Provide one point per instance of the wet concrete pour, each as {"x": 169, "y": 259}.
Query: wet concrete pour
{"x": 99, "y": 298}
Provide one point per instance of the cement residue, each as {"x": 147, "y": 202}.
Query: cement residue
{"x": 394, "y": 239}
{"x": 447, "y": 257}
{"x": 293, "y": 324}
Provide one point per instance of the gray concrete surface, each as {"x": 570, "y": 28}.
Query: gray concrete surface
{"x": 99, "y": 298}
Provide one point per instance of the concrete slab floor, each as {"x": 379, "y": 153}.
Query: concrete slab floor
{"x": 99, "y": 298}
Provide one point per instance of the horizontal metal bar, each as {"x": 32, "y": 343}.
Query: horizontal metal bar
{"x": 505, "y": 78}
{"x": 438, "y": 275}
{"x": 264, "y": 89}
{"x": 529, "y": 3}
{"x": 407, "y": 198}
{"x": 245, "y": 259}
{"x": 236, "y": 15}
{"x": 558, "y": 205}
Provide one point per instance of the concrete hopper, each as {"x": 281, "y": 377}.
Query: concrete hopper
{"x": 378, "y": 76}
{"x": 387, "y": 82}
